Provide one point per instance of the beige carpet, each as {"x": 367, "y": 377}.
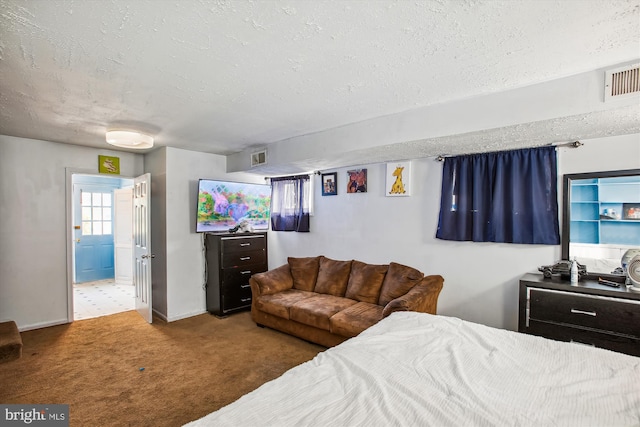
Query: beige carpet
{"x": 191, "y": 367}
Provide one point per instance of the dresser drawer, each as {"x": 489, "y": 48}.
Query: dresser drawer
{"x": 243, "y": 244}
{"x": 594, "y": 312}
{"x": 239, "y": 277}
{"x": 623, "y": 344}
{"x": 245, "y": 258}
{"x": 236, "y": 298}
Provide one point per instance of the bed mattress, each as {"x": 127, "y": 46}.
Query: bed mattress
{"x": 419, "y": 369}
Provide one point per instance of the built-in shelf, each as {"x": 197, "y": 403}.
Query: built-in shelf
{"x": 591, "y": 199}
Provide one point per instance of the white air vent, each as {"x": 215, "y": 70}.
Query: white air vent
{"x": 259, "y": 158}
{"x": 622, "y": 82}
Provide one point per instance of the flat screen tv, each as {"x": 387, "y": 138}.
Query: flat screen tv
{"x": 222, "y": 205}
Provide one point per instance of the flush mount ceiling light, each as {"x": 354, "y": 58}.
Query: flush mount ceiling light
{"x": 129, "y": 139}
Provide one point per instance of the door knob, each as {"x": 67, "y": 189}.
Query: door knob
{"x": 148, "y": 256}
{"x": 77, "y": 240}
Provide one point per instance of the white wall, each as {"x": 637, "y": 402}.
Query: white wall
{"x": 601, "y": 154}
{"x": 33, "y": 246}
{"x": 559, "y": 101}
{"x": 155, "y": 163}
{"x": 185, "y": 295}
{"x": 481, "y": 279}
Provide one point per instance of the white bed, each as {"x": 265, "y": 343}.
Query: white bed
{"x": 415, "y": 369}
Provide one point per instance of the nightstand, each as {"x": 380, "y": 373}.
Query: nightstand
{"x": 588, "y": 313}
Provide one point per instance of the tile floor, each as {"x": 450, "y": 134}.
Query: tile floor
{"x": 101, "y": 298}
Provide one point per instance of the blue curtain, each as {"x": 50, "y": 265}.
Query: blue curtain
{"x": 507, "y": 197}
{"x": 290, "y": 203}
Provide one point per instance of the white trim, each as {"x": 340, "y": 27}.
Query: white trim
{"x": 69, "y": 172}
{"x": 182, "y": 316}
{"x": 43, "y": 325}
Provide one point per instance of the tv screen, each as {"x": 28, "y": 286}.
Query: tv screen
{"x": 222, "y": 205}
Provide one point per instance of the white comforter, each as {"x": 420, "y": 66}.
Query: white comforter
{"x": 414, "y": 369}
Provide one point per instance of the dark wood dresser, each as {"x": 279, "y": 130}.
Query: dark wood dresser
{"x": 588, "y": 313}
{"x": 231, "y": 260}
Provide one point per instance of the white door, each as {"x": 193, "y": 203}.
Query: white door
{"x": 123, "y": 235}
{"x": 142, "y": 245}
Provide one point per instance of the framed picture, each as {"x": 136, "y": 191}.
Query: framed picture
{"x": 631, "y": 211}
{"x": 329, "y": 184}
{"x": 357, "y": 181}
{"x": 398, "y": 179}
{"x": 109, "y": 165}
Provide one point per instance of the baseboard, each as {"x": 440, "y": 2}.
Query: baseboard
{"x": 160, "y": 315}
{"x": 43, "y": 325}
{"x": 184, "y": 316}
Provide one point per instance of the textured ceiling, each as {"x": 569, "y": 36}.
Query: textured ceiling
{"x": 227, "y": 76}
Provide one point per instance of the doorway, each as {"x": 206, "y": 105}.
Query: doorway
{"x": 102, "y": 254}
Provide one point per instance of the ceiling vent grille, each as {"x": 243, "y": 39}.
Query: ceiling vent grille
{"x": 258, "y": 158}
{"x": 622, "y": 82}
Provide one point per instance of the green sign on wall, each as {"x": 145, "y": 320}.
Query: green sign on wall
{"x": 109, "y": 164}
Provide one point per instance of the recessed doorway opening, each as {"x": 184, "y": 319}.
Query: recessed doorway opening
{"x": 102, "y": 253}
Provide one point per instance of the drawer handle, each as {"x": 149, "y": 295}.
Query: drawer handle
{"x": 245, "y": 299}
{"x": 244, "y": 258}
{"x": 245, "y": 286}
{"x": 245, "y": 244}
{"x": 246, "y": 272}
{"x": 588, "y": 313}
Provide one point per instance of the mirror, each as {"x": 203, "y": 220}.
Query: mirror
{"x": 601, "y": 219}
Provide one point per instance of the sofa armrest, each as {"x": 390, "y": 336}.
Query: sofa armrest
{"x": 272, "y": 281}
{"x": 423, "y": 297}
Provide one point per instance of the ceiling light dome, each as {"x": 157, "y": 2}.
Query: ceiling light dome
{"x": 129, "y": 139}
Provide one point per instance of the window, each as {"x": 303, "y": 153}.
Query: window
{"x": 290, "y": 203}
{"x": 96, "y": 213}
{"x": 507, "y": 197}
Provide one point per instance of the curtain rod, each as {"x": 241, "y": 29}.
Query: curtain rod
{"x": 573, "y": 144}
{"x": 290, "y": 177}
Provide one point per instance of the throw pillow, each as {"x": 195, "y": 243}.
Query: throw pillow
{"x": 304, "y": 272}
{"x": 398, "y": 281}
{"x": 365, "y": 281}
{"x": 333, "y": 277}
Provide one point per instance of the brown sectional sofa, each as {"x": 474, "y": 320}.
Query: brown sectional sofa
{"x": 327, "y": 302}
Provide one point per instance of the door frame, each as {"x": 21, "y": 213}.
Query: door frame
{"x": 69, "y": 172}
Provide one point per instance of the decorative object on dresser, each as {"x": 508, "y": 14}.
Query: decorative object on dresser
{"x": 633, "y": 272}
{"x": 592, "y": 313}
{"x": 231, "y": 260}
{"x": 326, "y": 301}
{"x": 563, "y": 268}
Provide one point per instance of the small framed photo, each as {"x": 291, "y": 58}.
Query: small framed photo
{"x": 329, "y": 184}
{"x": 109, "y": 164}
{"x": 357, "y": 181}
{"x": 398, "y": 179}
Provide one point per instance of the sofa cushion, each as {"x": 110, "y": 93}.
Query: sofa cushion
{"x": 316, "y": 310}
{"x": 304, "y": 272}
{"x": 365, "y": 281}
{"x": 398, "y": 281}
{"x": 333, "y": 277}
{"x": 272, "y": 281}
{"x": 279, "y": 304}
{"x": 355, "y": 319}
